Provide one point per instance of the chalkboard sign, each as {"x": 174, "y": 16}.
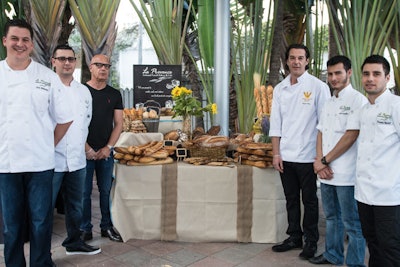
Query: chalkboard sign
{"x": 155, "y": 82}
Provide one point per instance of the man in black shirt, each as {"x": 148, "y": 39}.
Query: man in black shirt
{"x": 104, "y": 131}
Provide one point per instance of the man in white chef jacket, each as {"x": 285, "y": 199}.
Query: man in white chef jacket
{"x": 70, "y": 170}
{"x": 377, "y": 188}
{"x": 31, "y": 101}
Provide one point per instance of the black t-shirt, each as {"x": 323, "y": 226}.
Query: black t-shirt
{"x": 104, "y": 102}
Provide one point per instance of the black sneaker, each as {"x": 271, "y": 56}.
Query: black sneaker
{"x": 86, "y": 236}
{"x": 308, "y": 251}
{"x": 288, "y": 244}
{"x": 83, "y": 249}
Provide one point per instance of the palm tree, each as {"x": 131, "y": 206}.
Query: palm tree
{"x": 96, "y": 23}
{"x": 45, "y": 18}
{"x": 365, "y": 26}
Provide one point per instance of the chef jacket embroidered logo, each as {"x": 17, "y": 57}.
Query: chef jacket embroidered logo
{"x": 344, "y": 110}
{"x": 307, "y": 97}
{"x": 383, "y": 118}
{"x": 43, "y": 85}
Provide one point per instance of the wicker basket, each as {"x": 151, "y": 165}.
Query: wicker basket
{"x": 152, "y": 123}
{"x": 209, "y": 152}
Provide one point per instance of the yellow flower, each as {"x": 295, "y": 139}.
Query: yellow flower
{"x": 214, "y": 108}
{"x": 176, "y": 92}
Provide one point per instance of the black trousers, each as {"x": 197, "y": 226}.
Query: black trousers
{"x": 300, "y": 178}
{"x": 381, "y": 229}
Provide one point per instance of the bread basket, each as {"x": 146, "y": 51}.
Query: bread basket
{"x": 152, "y": 123}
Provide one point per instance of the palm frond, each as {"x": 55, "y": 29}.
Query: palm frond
{"x": 98, "y": 29}
{"x": 45, "y": 17}
{"x": 366, "y": 25}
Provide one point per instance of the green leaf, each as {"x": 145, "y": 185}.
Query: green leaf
{"x": 206, "y": 31}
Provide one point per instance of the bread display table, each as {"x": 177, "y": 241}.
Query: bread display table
{"x": 184, "y": 202}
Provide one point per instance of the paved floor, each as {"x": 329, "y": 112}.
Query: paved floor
{"x": 142, "y": 253}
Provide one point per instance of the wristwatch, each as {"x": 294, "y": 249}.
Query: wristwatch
{"x": 110, "y": 147}
{"x": 323, "y": 160}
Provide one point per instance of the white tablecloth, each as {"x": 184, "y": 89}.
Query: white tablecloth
{"x": 206, "y": 203}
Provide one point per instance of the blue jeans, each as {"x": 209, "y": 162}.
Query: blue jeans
{"x": 71, "y": 185}
{"x": 21, "y": 192}
{"x": 104, "y": 171}
{"x": 341, "y": 213}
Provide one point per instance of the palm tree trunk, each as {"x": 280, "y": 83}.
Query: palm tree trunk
{"x": 334, "y": 26}
{"x": 278, "y": 44}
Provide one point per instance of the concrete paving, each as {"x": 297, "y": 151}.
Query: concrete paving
{"x": 154, "y": 253}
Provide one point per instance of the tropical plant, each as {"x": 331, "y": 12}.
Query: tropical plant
{"x": 315, "y": 36}
{"x": 176, "y": 41}
{"x": 364, "y": 27}
{"x": 98, "y": 29}
{"x": 45, "y": 18}
{"x": 163, "y": 23}
{"x": 250, "y": 43}
{"x": 395, "y": 55}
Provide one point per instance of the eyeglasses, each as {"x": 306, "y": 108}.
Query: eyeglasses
{"x": 64, "y": 59}
{"x": 100, "y": 65}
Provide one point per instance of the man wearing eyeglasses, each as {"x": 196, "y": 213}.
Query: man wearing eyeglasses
{"x": 70, "y": 170}
{"x": 104, "y": 131}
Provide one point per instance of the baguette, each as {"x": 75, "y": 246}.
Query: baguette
{"x": 131, "y": 149}
{"x": 259, "y": 152}
{"x": 160, "y": 154}
{"x": 140, "y": 149}
{"x": 146, "y": 159}
{"x": 152, "y": 149}
{"x": 128, "y": 157}
{"x": 121, "y": 149}
{"x": 264, "y": 99}
{"x": 154, "y": 162}
{"x": 119, "y": 155}
{"x": 252, "y": 145}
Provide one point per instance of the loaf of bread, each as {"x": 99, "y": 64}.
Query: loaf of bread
{"x": 160, "y": 154}
{"x": 145, "y": 159}
{"x": 252, "y": 145}
{"x": 152, "y": 149}
{"x": 154, "y": 162}
{"x": 121, "y": 149}
{"x": 211, "y": 141}
{"x": 172, "y": 135}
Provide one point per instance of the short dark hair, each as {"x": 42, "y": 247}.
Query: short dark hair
{"x": 296, "y": 46}
{"x": 339, "y": 59}
{"x": 20, "y": 23}
{"x": 63, "y": 47}
{"x": 377, "y": 59}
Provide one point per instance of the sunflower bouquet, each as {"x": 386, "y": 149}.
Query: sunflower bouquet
{"x": 187, "y": 105}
